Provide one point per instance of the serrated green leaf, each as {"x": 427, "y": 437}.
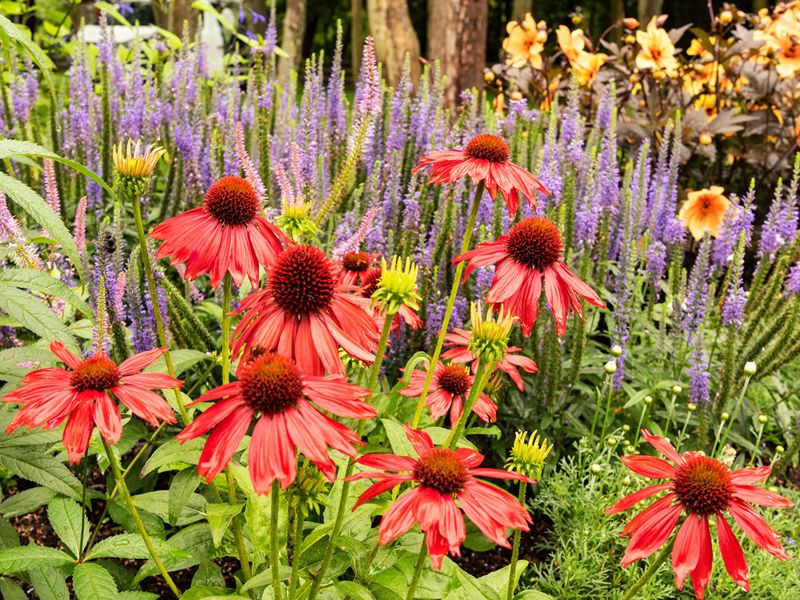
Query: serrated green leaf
{"x": 208, "y": 574}
{"x": 33, "y": 204}
{"x": 33, "y": 314}
{"x": 27, "y": 437}
{"x": 42, "y": 469}
{"x": 173, "y": 452}
{"x": 45, "y": 284}
{"x": 11, "y": 31}
{"x": 92, "y": 582}
{"x": 131, "y": 545}
{"x": 157, "y": 503}
{"x": 180, "y": 490}
{"x": 8, "y": 535}
{"x": 49, "y": 584}
{"x": 10, "y": 360}
{"x": 10, "y": 590}
{"x": 219, "y": 519}
{"x": 182, "y": 359}
{"x": 69, "y": 523}
{"x": 25, "y": 558}
{"x": 195, "y": 539}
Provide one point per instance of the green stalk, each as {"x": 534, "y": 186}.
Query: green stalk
{"x": 340, "y": 511}
{"x": 126, "y": 496}
{"x": 151, "y": 286}
{"x": 606, "y": 386}
{"x": 465, "y": 245}
{"x": 648, "y": 574}
{"x": 298, "y": 538}
{"x": 412, "y": 588}
{"x": 479, "y": 383}
{"x": 523, "y": 486}
{"x": 607, "y": 413}
{"x": 274, "y": 549}
{"x": 734, "y": 414}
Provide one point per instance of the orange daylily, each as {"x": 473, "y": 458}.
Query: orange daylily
{"x": 571, "y": 43}
{"x": 704, "y": 210}
{"x": 525, "y": 42}
{"x": 657, "y": 50}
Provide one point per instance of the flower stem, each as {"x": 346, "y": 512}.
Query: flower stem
{"x": 126, "y": 496}
{"x": 639, "y": 426}
{"x": 734, "y": 414}
{"x": 274, "y": 548}
{"x": 298, "y": 539}
{"x": 465, "y": 245}
{"x": 481, "y": 379}
{"x": 348, "y": 470}
{"x": 670, "y": 413}
{"x": 523, "y": 487}
{"x": 412, "y": 588}
{"x": 151, "y": 286}
{"x": 606, "y": 386}
{"x": 648, "y": 574}
{"x": 610, "y": 393}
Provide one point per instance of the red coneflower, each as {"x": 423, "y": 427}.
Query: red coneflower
{"x": 354, "y": 266}
{"x": 449, "y": 391}
{"x": 278, "y": 395}
{"x": 226, "y": 234}
{"x": 527, "y": 257}
{"x": 459, "y": 352}
{"x": 80, "y": 394}
{"x": 369, "y": 283}
{"x": 486, "y": 159}
{"x": 701, "y": 487}
{"x": 304, "y": 314}
{"x": 445, "y": 482}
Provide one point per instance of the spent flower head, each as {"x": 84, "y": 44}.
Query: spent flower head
{"x": 528, "y": 454}
{"x": 309, "y": 489}
{"x": 135, "y": 165}
{"x": 397, "y": 286}
{"x": 488, "y": 338}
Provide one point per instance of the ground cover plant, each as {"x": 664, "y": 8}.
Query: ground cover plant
{"x": 268, "y": 336}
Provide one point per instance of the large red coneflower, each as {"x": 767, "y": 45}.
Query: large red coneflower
{"x": 449, "y": 391}
{"x": 304, "y": 314}
{"x": 406, "y": 314}
{"x": 80, "y": 394}
{"x": 445, "y": 482}
{"x": 278, "y": 395}
{"x": 701, "y": 487}
{"x": 459, "y": 352}
{"x": 486, "y": 158}
{"x": 528, "y": 257}
{"x": 225, "y": 235}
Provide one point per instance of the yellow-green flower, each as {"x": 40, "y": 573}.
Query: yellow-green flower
{"x": 488, "y": 339}
{"x": 295, "y": 222}
{"x": 397, "y": 286}
{"x": 528, "y": 454}
{"x": 135, "y": 165}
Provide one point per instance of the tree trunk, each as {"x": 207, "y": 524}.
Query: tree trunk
{"x": 649, "y": 9}
{"x": 294, "y": 28}
{"x": 356, "y": 36}
{"x": 457, "y": 32}
{"x": 395, "y": 37}
{"x": 171, "y": 14}
{"x": 519, "y": 8}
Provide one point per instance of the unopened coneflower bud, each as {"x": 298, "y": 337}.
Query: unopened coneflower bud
{"x": 762, "y": 418}
{"x": 309, "y": 489}
{"x": 629, "y": 449}
{"x": 296, "y": 222}
{"x": 724, "y": 417}
{"x": 779, "y": 449}
{"x": 676, "y": 389}
{"x": 648, "y": 400}
{"x": 773, "y": 489}
{"x": 626, "y": 428}
{"x": 528, "y": 454}
{"x": 488, "y": 338}
{"x": 397, "y": 286}
{"x": 691, "y": 407}
{"x": 596, "y": 469}
{"x": 135, "y": 165}
{"x": 610, "y": 367}
{"x": 611, "y": 441}
{"x": 626, "y": 480}
{"x": 750, "y": 368}
{"x": 616, "y": 350}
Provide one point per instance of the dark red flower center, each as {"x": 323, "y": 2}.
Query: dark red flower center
{"x": 232, "y": 201}
{"x": 703, "y": 485}
{"x": 441, "y": 470}
{"x": 535, "y": 242}
{"x": 356, "y": 261}
{"x": 301, "y": 282}
{"x": 271, "y": 384}
{"x": 488, "y": 147}
{"x": 369, "y": 282}
{"x": 454, "y": 379}
{"x": 95, "y": 373}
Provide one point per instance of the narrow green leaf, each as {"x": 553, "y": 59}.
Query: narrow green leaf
{"x": 49, "y": 584}
{"x": 42, "y": 469}
{"x": 219, "y": 519}
{"x": 11, "y": 31}
{"x": 93, "y": 582}
{"x": 33, "y": 314}
{"x": 180, "y": 490}
{"x": 172, "y": 453}
{"x": 10, "y": 590}
{"x": 9, "y": 538}
{"x": 25, "y": 502}
{"x": 45, "y": 284}
{"x": 25, "y": 558}
{"x": 69, "y": 523}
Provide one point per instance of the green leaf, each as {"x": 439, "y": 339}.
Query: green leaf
{"x": 136, "y": 595}
{"x": 219, "y": 518}
{"x": 42, "y": 469}
{"x": 33, "y": 204}
{"x": 172, "y": 453}
{"x": 10, "y": 590}
{"x": 533, "y": 595}
{"x": 195, "y": 539}
{"x": 8, "y": 535}
{"x": 354, "y": 590}
{"x": 11, "y": 31}
{"x": 29, "y": 437}
{"x": 92, "y": 582}
{"x": 396, "y": 433}
{"x": 10, "y": 148}
{"x": 157, "y": 503}
{"x": 182, "y": 359}
{"x": 180, "y": 490}
{"x": 50, "y": 584}
{"x": 45, "y": 284}
{"x": 25, "y": 558}
{"x": 208, "y": 574}
{"x": 11, "y": 357}
{"x": 131, "y": 545}
{"x": 33, "y": 314}
{"x": 69, "y": 523}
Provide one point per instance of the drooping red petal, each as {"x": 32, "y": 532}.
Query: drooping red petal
{"x": 421, "y": 441}
{"x": 106, "y": 417}
{"x": 652, "y": 534}
{"x": 664, "y": 446}
{"x": 751, "y": 475}
{"x": 210, "y": 418}
{"x": 702, "y": 572}
{"x": 223, "y": 442}
{"x": 732, "y": 554}
{"x": 271, "y": 455}
{"x": 64, "y": 355}
{"x": 686, "y": 551}
{"x": 390, "y": 462}
{"x": 78, "y": 431}
{"x": 399, "y": 518}
{"x": 757, "y": 529}
{"x": 386, "y": 484}
{"x": 760, "y": 496}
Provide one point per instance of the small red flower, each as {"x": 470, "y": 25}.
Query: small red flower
{"x": 274, "y": 392}
{"x": 458, "y": 352}
{"x": 486, "y": 158}
{"x": 80, "y": 394}
{"x": 449, "y": 391}
{"x": 701, "y": 487}
{"x": 445, "y": 482}
{"x": 354, "y": 266}
{"x": 527, "y": 257}
{"x": 369, "y": 283}
{"x": 226, "y": 234}
{"x": 304, "y": 314}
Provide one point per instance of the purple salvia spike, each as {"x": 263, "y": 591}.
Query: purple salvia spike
{"x": 353, "y": 243}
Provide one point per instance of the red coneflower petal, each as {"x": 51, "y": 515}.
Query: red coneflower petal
{"x": 144, "y": 403}
{"x": 211, "y": 417}
{"x": 649, "y": 466}
{"x": 557, "y": 299}
{"x": 652, "y": 534}
{"x": 664, "y": 446}
{"x": 634, "y": 499}
{"x": 399, "y": 518}
{"x": 751, "y": 475}
{"x": 155, "y": 381}
{"x": 420, "y": 440}
{"x": 306, "y": 433}
{"x": 686, "y": 551}
{"x": 508, "y": 277}
{"x": 67, "y": 357}
{"x": 271, "y": 455}
{"x": 732, "y": 554}
{"x": 78, "y": 431}
{"x": 757, "y": 529}
{"x": 335, "y": 395}
{"x": 470, "y": 458}
{"x": 702, "y": 572}
{"x": 762, "y": 497}
{"x": 485, "y": 506}
{"x": 140, "y": 361}
{"x": 656, "y": 507}
{"x": 388, "y": 462}
{"x": 106, "y": 417}
{"x": 388, "y": 482}
{"x": 486, "y": 253}
{"x": 223, "y": 442}
{"x": 485, "y": 409}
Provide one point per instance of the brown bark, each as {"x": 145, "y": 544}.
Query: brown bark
{"x": 519, "y": 8}
{"x": 294, "y": 29}
{"x": 457, "y": 32}
{"x": 649, "y": 9}
{"x": 395, "y": 37}
{"x": 171, "y": 14}
{"x": 356, "y": 35}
